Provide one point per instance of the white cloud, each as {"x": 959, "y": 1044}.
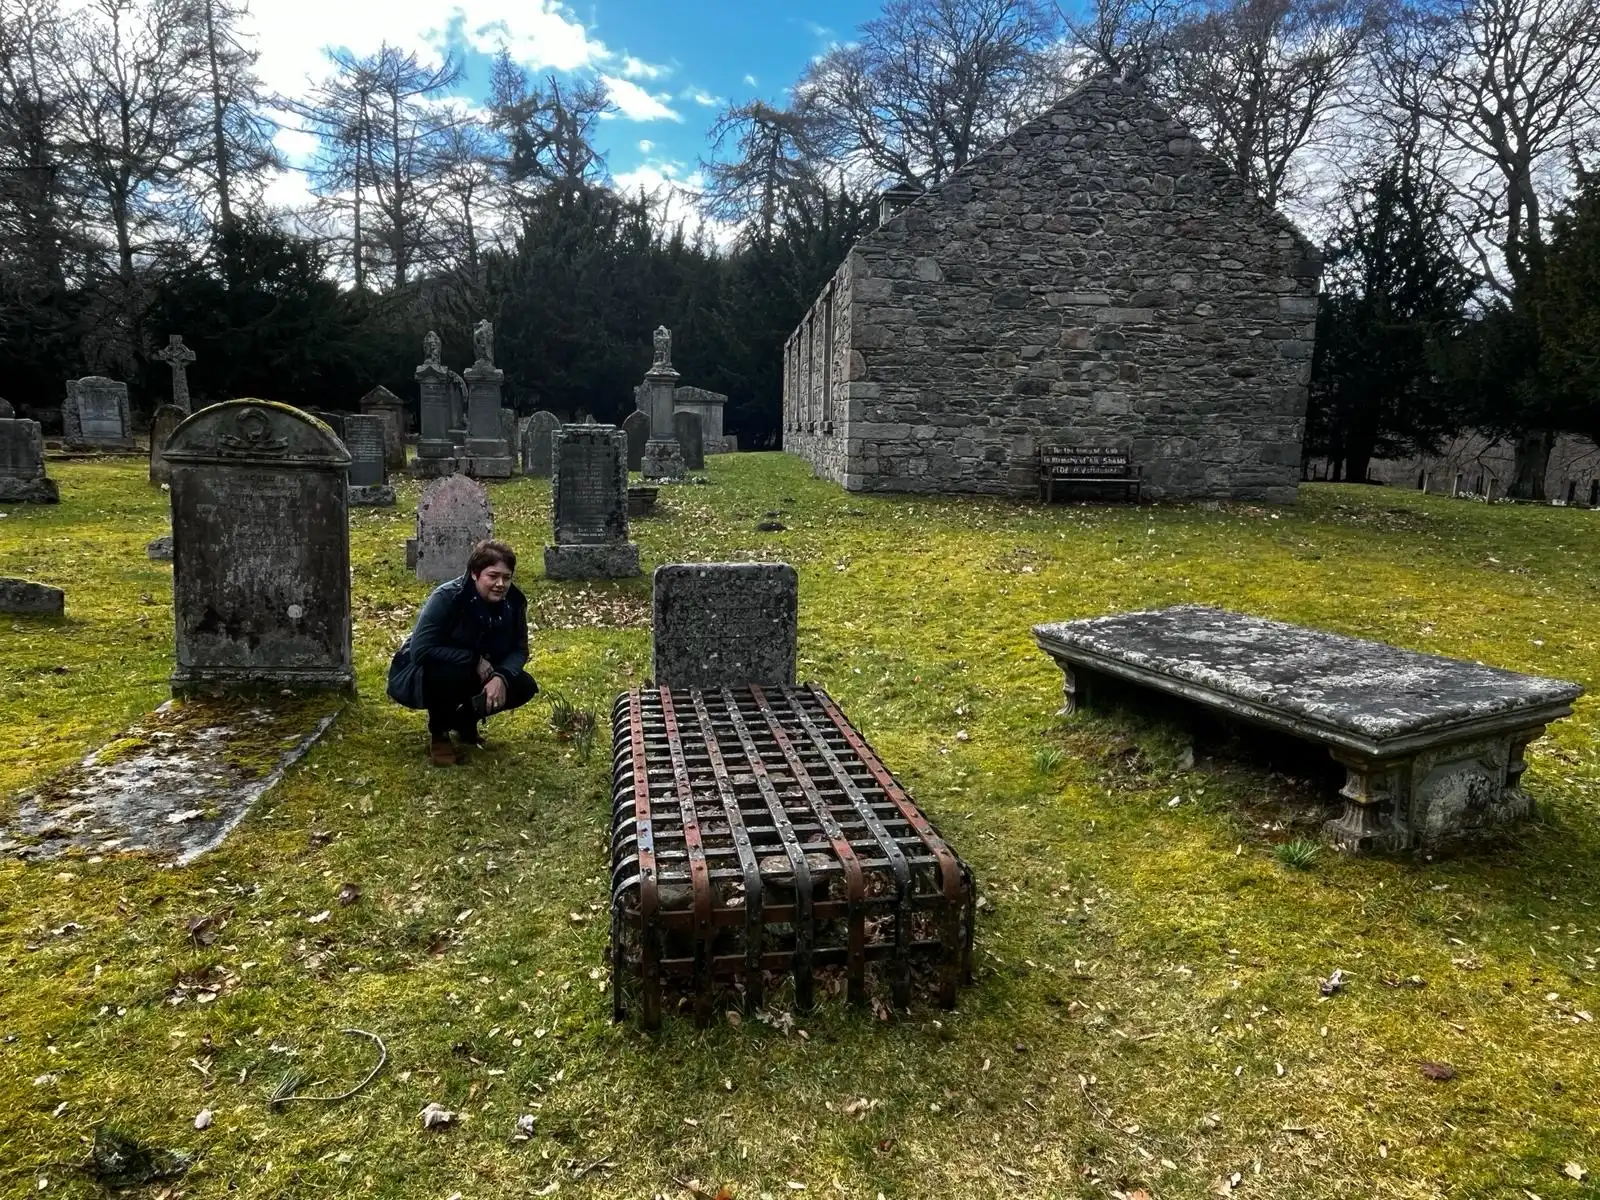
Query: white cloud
{"x": 288, "y": 190}
{"x": 636, "y": 104}
{"x": 637, "y": 68}
{"x": 542, "y": 35}
{"x": 646, "y": 145}
{"x": 751, "y": 80}
{"x": 296, "y": 144}
{"x": 701, "y": 97}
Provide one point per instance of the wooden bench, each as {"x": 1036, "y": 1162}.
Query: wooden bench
{"x": 1432, "y": 746}
{"x": 1087, "y": 466}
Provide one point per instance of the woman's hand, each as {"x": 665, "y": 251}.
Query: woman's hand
{"x": 485, "y": 669}
{"x": 494, "y": 694}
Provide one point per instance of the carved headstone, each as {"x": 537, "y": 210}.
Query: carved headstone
{"x": 537, "y": 432}
{"x": 686, "y": 425}
{"x": 709, "y": 405}
{"x": 167, "y": 418}
{"x": 178, "y": 357}
{"x": 724, "y": 623}
{"x": 663, "y": 457}
{"x": 589, "y": 490}
{"x": 96, "y": 415}
{"x": 260, "y": 550}
{"x": 488, "y": 449}
{"x": 381, "y": 402}
{"x": 7, "y": 412}
{"x": 453, "y": 514}
{"x": 637, "y": 426}
{"x": 22, "y": 477}
{"x": 369, "y": 474}
{"x": 436, "y": 445}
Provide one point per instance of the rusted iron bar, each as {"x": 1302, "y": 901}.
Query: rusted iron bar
{"x": 755, "y": 836}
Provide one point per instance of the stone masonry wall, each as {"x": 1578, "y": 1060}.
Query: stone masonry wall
{"x": 1096, "y": 279}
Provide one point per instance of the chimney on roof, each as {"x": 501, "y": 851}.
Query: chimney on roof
{"x": 896, "y": 199}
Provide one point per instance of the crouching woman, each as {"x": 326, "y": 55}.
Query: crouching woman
{"x": 468, "y": 654}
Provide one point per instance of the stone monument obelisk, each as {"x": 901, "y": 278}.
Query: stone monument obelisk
{"x": 488, "y": 452}
{"x": 436, "y": 453}
{"x": 663, "y": 457}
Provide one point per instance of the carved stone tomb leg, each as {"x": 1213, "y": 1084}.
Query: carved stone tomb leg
{"x": 1368, "y": 819}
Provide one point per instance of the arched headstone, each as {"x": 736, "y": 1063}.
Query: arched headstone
{"x": 454, "y": 513}
{"x": 637, "y": 426}
{"x": 686, "y": 426}
{"x": 260, "y": 550}
{"x": 95, "y": 415}
{"x": 537, "y": 431}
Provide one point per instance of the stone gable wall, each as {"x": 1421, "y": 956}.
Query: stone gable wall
{"x": 1096, "y": 279}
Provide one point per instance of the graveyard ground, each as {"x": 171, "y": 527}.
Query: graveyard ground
{"x": 1146, "y": 1018}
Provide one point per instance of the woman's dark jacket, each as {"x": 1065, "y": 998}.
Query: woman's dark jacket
{"x": 445, "y": 633}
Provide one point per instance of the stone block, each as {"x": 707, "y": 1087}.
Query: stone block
{"x": 618, "y": 561}
{"x": 25, "y": 597}
{"x": 724, "y": 624}
{"x": 159, "y": 549}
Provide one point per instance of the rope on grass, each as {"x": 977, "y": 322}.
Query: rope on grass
{"x": 285, "y": 1092}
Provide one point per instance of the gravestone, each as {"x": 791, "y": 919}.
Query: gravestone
{"x": 663, "y": 457}
{"x": 22, "y": 477}
{"x": 167, "y": 418}
{"x": 724, "y": 623}
{"x": 369, "y": 475}
{"x": 687, "y": 428}
{"x": 488, "y": 451}
{"x": 452, "y": 516}
{"x": 333, "y": 420}
{"x": 458, "y": 411}
{"x": 537, "y": 432}
{"x": 260, "y": 550}
{"x": 7, "y": 413}
{"x": 436, "y": 447}
{"x": 709, "y": 405}
{"x": 381, "y": 402}
{"x": 96, "y": 416}
{"x": 27, "y": 598}
{"x": 508, "y": 431}
{"x": 637, "y": 426}
{"x": 589, "y": 490}
{"x": 178, "y": 357}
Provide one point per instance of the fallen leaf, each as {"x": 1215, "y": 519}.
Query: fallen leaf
{"x": 320, "y": 917}
{"x": 1439, "y": 1072}
{"x": 1574, "y": 1170}
{"x": 202, "y": 1119}
{"x": 436, "y": 1115}
{"x": 1333, "y": 984}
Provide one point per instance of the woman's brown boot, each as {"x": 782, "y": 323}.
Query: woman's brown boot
{"x": 441, "y": 752}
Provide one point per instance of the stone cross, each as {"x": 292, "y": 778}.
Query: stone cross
{"x": 178, "y": 357}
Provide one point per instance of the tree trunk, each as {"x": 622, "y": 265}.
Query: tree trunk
{"x": 219, "y": 134}
{"x": 1532, "y": 463}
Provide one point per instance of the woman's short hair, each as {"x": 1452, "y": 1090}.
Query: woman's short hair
{"x": 485, "y": 554}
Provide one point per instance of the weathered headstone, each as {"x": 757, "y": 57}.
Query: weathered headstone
{"x": 333, "y": 420}
{"x": 22, "y": 477}
{"x": 25, "y": 597}
{"x": 487, "y": 450}
{"x": 167, "y": 418}
{"x": 687, "y": 428}
{"x": 261, "y": 550}
{"x": 453, "y": 514}
{"x": 589, "y": 490}
{"x": 637, "y": 426}
{"x": 178, "y": 357}
{"x": 381, "y": 402}
{"x": 436, "y": 448}
{"x": 95, "y": 415}
{"x": 663, "y": 457}
{"x": 709, "y": 405}
{"x": 725, "y": 623}
{"x": 508, "y": 431}
{"x": 369, "y": 476}
{"x": 458, "y": 412}
{"x": 7, "y": 412}
{"x": 642, "y": 499}
{"x": 537, "y": 432}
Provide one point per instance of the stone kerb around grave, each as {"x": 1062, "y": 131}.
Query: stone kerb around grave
{"x": 260, "y": 550}
{"x": 453, "y": 514}
{"x": 717, "y": 624}
{"x": 22, "y": 474}
{"x": 589, "y": 503}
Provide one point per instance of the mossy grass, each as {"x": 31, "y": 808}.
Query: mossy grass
{"x": 1146, "y": 1012}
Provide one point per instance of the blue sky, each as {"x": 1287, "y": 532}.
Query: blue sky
{"x": 670, "y": 65}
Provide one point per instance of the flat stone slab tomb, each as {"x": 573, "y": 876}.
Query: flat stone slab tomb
{"x": 173, "y": 785}
{"x": 1432, "y": 746}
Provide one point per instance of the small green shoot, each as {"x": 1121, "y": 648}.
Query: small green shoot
{"x": 1300, "y": 853}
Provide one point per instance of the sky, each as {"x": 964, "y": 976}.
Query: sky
{"x": 670, "y": 65}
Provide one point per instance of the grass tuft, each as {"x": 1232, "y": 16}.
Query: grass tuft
{"x": 1300, "y": 853}
{"x": 1048, "y": 760}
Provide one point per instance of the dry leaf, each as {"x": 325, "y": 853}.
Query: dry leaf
{"x": 202, "y": 1119}
{"x": 1439, "y": 1072}
{"x": 320, "y": 917}
{"x": 1574, "y": 1170}
{"x": 436, "y": 1115}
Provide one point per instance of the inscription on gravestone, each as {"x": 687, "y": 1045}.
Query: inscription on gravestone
{"x": 261, "y": 550}
{"x": 452, "y": 515}
{"x": 99, "y": 415}
{"x": 363, "y": 437}
{"x": 590, "y": 492}
{"x": 725, "y": 623}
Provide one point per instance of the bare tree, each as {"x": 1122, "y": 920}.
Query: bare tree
{"x": 547, "y": 133}
{"x": 777, "y": 159}
{"x": 240, "y": 133}
{"x": 930, "y": 82}
{"x": 1126, "y": 37}
{"x": 1261, "y": 79}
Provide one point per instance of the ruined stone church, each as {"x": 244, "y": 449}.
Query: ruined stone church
{"x": 1096, "y": 279}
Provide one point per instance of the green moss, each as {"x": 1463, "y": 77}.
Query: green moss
{"x": 1155, "y": 962}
